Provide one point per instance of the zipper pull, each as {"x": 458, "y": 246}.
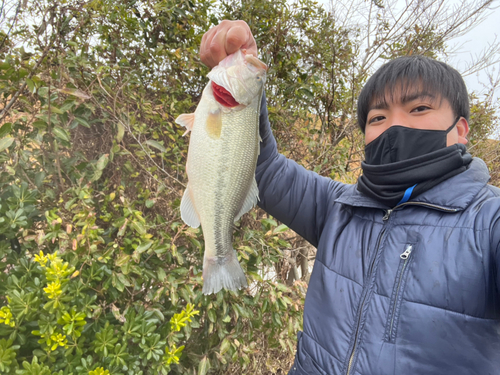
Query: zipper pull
{"x": 387, "y": 214}
{"x": 406, "y": 254}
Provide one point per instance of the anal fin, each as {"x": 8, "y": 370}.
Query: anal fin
{"x": 250, "y": 200}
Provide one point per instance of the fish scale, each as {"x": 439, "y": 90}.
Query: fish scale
{"x": 222, "y": 158}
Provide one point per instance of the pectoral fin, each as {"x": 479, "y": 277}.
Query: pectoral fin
{"x": 250, "y": 200}
{"x": 188, "y": 211}
{"x": 214, "y": 124}
{"x": 186, "y": 120}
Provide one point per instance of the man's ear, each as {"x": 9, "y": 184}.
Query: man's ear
{"x": 463, "y": 130}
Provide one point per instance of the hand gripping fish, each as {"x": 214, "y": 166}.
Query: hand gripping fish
{"x": 221, "y": 162}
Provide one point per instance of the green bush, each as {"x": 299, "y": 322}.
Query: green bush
{"x": 99, "y": 274}
{"x": 130, "y": 303}
{"x": 80, "y": 300}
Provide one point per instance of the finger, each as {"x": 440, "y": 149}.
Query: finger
{"x": 225, "y": 39}
{"x": 217, "y": 48}
{"x": 236, "y": 37}
{"x": 206, "y": 40}
{"x": 251, "y": 47}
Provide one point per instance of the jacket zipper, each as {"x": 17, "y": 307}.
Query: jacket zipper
{"x": 436, "y": 207}
{"x": 405, "y": 256}
{"x": 385, "y": 218}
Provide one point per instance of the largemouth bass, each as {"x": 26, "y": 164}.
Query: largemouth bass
{"x": 221, "y": 162}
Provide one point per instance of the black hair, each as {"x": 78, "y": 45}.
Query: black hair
{"x": 408, "y": 75}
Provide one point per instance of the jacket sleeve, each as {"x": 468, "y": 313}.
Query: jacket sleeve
{"x": 295, "y": 196}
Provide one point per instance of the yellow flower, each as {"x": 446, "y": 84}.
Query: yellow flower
{"x": 52, "y": 257}
{"x": 42, "y": 259}
{"x": 6, "y": 316}
{"x": 99, "y": 371}
{"x": 53, "y": 290}
{"x": 179, "y": 320}
{"x": 173, "y": 354}
{"x": 58, "y": 340}
{"x": 58, "y": 270}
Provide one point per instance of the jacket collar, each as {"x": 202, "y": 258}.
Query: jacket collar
{"x": 456, "y": 193}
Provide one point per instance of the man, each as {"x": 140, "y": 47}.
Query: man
{"x": 406, "y": 278}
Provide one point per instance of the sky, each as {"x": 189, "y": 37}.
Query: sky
{"x": 474, "y": 42}
{"x": 470, "y": 44}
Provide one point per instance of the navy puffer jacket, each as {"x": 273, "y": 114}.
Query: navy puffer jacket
{"x": 408, "y": 290}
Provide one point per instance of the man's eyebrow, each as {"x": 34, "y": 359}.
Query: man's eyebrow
{"x": 417, "y": 95}
{"x": 383, "y": 104}
{"x": 379, "y": 105}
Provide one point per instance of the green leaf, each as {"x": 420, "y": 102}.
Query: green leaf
{"x": 161, "y": 249}
{"x": 117, "y": 283}
{"x": 307, "y": 93}
{"x": 120, "y": 133}
{"x": 67, "y": 105}
{"x": 61, "y": 133}
{"x": 224, "y": 347}
{"x": 39, "y": 177}
{"x": 74, "y": 92}
{"x": 143, "y": 247}
{"x": 150, "y": 203}
{"x": 212, "y": 315}
{"x": 123, "y": 279}
{"x": 5, "y": 129}
{"x": 31, "y": 85}
{"x": 269, "y": 222}
{"x": 102, "y": 162}
{"x": 5, "y": 143}
{"x": 55, "y": 109}
{"x": 204, "y": 366}
{"x": 97, "y": 175}
{"x": 282, "y": 287}
{"x": 122, "y": 260}
{"x": 161, "y": 274}
{"x": 40, "y": 124}
{"x": 82, "y": 121}
{"x": 280, "y": 228}
{"x": 156, "y": 145}
{"x": 139, "y": 227}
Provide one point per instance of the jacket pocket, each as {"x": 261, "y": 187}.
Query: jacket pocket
{"x": 304, "y": 364}
{"x": 391, "y": 325}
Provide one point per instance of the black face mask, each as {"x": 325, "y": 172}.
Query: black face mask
{"x": 400, "y": 143}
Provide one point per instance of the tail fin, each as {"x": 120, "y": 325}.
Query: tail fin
{"x": 222, "y": 272}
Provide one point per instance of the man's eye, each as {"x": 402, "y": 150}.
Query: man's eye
{"x": 376, "y": 119}
{"x": 421, "y": 108}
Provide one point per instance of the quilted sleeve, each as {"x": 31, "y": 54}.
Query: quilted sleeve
{"x": 295, "y": 196}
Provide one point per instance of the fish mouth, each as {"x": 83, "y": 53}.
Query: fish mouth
{"x": 223, "y": 96}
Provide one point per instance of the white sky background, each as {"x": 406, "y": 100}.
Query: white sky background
{"x": 473, "y": 43}
{"x": 469, "y": 45}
